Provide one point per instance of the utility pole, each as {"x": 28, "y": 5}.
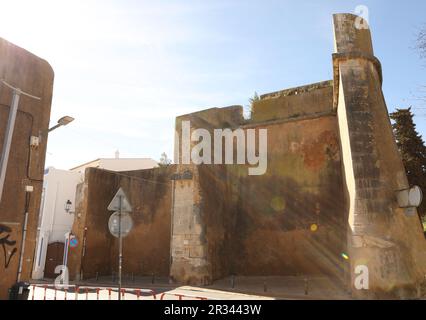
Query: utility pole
{"x": 9, "y": 131}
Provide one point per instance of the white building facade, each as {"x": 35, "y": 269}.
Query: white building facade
{"x": 118, "y": 164}
{"x": 56, "y": 213}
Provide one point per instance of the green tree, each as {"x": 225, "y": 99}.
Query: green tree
{"x": 164, "y": 160}
{"x": 412, "y": 149}
{"x": 252, "y": 101}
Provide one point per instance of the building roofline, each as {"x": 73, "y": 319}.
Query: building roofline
{"x": 84, "y": 164}
{"x": 298, "y": 90}
{"x": 99, "y": 159}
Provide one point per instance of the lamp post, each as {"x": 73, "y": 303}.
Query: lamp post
{"x": 62, "y": 122}
{"x": 68, "y": 206}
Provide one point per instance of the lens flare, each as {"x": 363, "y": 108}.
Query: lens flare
{"x": 345, "y": 256}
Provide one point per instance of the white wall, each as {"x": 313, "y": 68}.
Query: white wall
{"x": 54, "y": 222}
{"x": 119, "y": 164}
{"x": 127, "y": 164}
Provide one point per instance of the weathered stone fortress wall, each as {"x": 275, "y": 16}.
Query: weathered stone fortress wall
{"x": 261, "y": 225}
{"x": 385, "y": 238}
{"x": 146, "y": 250}
{"x": 304, "y": 185}
{"x": 332, "y": 163}
{"x": 26, "y": 165}
{"x": 301, "y": 188}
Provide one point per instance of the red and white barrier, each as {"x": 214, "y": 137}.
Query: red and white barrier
{"x": 49, "y": 290}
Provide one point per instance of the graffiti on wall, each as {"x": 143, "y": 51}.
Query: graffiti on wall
{"x": 7, "y": 245}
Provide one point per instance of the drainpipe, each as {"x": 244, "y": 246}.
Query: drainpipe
{"x": 171, "y": 228}
{"x": 83, "y": 253}
{"x": 28, "y": 192}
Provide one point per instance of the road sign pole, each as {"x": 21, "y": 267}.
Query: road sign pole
{"x": 120, "y": 204}
{"x": 120, "y": 253}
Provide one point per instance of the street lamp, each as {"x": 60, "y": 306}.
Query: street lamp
{"x": 68, "y": 206}
{"x": 62, "y": 122}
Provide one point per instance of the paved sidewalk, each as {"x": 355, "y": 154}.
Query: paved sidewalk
{"x": 295, "y": 288}
{"x": 238, "y": 288}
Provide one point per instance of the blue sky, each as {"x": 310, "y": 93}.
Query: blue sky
{"x": 125, "y": 69}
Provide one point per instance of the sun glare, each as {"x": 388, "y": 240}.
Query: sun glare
{"x": 41, "y": 26}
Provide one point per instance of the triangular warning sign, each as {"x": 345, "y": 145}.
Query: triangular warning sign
{"x": 120, "y": 202}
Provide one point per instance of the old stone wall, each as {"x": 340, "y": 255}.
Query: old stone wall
{"x": 291, "y": 220}
{"x": 146, "y": 250}
{"x": 294, "y": 103}
{"x": 326, "y": 204}
{"x": 204, "y": 220}
{"x": 204, "y": 206}
{"x": 382, "y": 237}
{"x": 26, "y": 165}
{"x": 261, "y": 225}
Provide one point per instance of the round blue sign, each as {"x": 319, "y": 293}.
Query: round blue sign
{"x": 73, "y": 243}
